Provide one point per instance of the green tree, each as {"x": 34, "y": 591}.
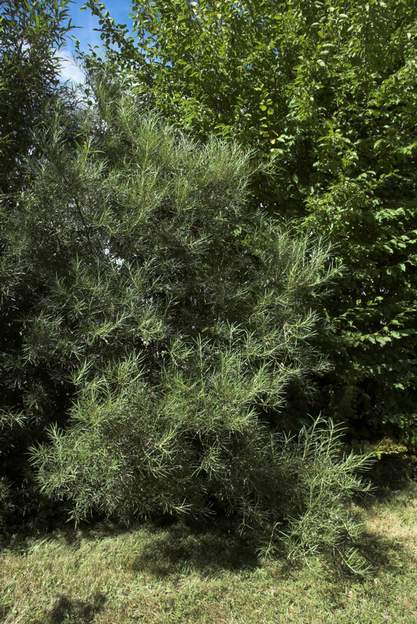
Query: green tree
{"x": 327, "y": 91}
{"x": 30, "y": 34}
{"x": 165, "y": 335}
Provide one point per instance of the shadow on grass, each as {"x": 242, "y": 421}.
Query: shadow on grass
{"x": 22, "y": 541}
{"x": 390, "y": 477}
{"x": 171, "y": 549}
{"x": 384, "y": 556}
{"x": 71, "y": 611}
{"x": 179, "y": 548}
{"x": 3, "y": 612}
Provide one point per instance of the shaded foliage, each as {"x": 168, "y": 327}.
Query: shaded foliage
{"x": 30, "y": 34}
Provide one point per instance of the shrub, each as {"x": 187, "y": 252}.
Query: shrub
{"x": 322, "y": 518}
{"x": 163, "y": 324}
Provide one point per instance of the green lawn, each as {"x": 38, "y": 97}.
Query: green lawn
{"x": 176, "y": 576}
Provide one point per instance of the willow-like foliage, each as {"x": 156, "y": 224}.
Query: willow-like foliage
{"x": 165, "y": 324}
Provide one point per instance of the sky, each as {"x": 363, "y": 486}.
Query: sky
{"x": 85, "y": 33}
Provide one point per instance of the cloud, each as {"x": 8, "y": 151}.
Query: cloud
{"x": 69, "y": 69}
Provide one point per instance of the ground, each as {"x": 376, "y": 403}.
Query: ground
{"x": 177, "y": 576}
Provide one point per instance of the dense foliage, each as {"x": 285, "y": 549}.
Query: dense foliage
{"x": 30, "y": 33}
{"x": 327, "y": 89}
{"x": 164, "y": 325}
{"x": 167, "y": 247}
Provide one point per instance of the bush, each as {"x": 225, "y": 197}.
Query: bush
{"x": 321, "y": 515}
{"x": 195, "y": 446}
{"x": 166, "y": 336}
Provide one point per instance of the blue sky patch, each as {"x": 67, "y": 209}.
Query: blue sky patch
{"x": 85, "y": 30}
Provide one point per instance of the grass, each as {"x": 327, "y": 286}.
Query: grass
{"x": 173, "y": 575}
